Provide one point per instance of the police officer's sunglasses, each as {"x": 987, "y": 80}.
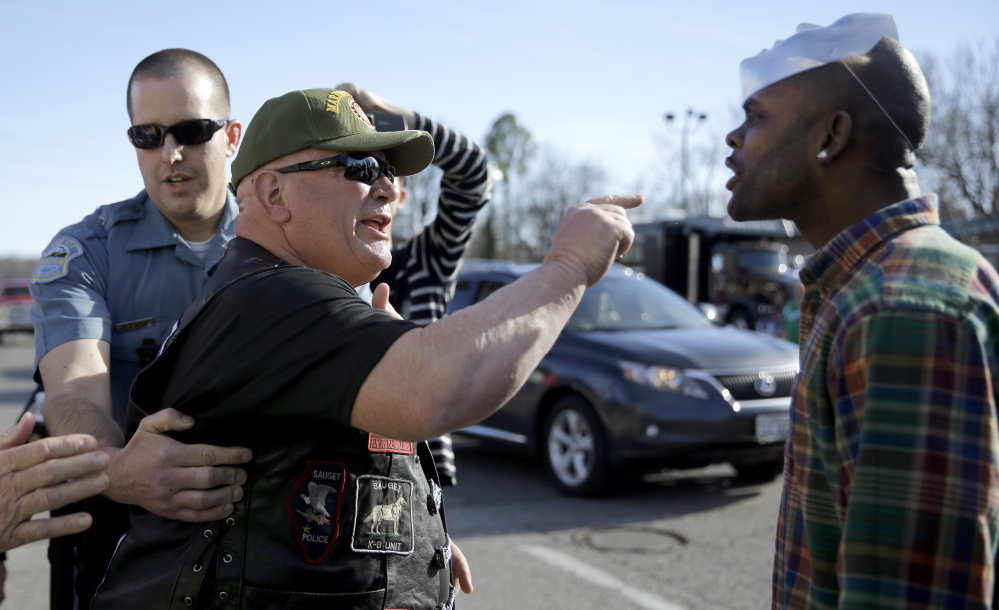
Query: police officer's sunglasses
{"x": 195, "y": 131}
{"x": 363, "y": 167}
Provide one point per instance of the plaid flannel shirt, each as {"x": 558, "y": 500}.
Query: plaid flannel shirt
{"x": 891, "y": 485}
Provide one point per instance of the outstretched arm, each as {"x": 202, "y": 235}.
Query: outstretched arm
{"x": 462, "y": 368}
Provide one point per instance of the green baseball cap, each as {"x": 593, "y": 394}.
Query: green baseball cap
{"x": 329, "y": 119}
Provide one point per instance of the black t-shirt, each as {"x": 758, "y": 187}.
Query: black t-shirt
{"x": 287, "y": 341}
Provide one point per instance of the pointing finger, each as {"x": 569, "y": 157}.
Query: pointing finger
{"x": 623, "y": 201}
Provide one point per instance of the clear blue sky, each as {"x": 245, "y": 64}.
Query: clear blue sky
{"x": 592, "y": 79}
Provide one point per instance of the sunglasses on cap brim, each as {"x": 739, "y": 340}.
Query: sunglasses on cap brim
{"x": 194, "y": 131}
{"x": 362, "y": 167}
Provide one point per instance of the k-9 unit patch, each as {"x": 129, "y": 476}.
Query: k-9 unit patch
{"x": 55, "y": 260}
{"x": 314, "y": 507}
{"x": 380, "y": 444}
{"x": 383, "y": 522}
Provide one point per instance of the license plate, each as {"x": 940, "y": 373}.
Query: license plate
{"x": 772, "y": 427}
{"x": 767, "y": 326}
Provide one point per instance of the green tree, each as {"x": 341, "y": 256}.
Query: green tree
{"x": 510, "y": 149}
{"x": 554, "y": 184}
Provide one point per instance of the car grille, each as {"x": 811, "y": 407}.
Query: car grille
{"x": 743, "y": 387}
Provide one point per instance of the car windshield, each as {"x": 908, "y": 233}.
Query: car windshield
{"x": 620, "y": 302}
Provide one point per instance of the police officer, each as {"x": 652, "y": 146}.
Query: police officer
{"x": 342, "y": 508}
{"x": 108, "y": 290}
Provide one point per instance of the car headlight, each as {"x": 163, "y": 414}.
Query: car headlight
{"x": 663, "y": 378}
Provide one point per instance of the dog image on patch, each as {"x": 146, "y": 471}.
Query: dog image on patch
{"x": 381, "y": 499}
{"x": 386, "y": 512}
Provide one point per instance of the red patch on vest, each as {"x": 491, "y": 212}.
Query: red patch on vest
{"x": 314, "y": 507}
{"x": 380, "y": 444}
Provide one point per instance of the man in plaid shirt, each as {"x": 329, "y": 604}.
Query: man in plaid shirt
{"x": 891, "y": 486}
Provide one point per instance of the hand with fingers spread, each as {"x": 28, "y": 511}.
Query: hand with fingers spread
{"x": 593, "y": 235}
{"x": 193, "y": 483}
{"x": 42, "y": 476}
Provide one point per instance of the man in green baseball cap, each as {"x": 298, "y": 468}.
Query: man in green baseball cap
{"x": 343, "y": 507}
{"x": 330, "y": 120}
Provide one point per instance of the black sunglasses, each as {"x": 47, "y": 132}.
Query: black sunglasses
{"x": 362, "y": 167}
{"x": 195, "y": 131}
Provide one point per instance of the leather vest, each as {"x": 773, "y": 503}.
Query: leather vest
{"x": 332, "y": 517}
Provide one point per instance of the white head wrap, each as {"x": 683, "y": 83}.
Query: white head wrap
{"x": 812, "y": 46}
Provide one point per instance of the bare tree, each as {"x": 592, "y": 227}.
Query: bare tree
{"x": 962, "y": 147}
{"x": 553, "y": 184}
{"x": 663, "y": 185}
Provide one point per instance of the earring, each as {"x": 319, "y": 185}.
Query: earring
{"x": 823, "y": 155}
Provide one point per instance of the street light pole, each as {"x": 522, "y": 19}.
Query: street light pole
{"x": 690, "y": 121}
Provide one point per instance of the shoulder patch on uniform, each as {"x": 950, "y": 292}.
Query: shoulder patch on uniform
{"x": 314, "y": 506}
{"x": 383, "y": 521}
{"x": 55, "y": 260}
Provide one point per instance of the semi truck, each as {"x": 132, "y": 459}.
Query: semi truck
{"x": 738, "y": 271}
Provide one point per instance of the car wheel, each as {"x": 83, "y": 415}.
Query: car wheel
{"x": 761, "y": 472}
{"x": 740, "y": 319}
{"x": 575, "y": 449}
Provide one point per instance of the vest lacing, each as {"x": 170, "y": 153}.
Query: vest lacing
{"x": 208, "y": 556}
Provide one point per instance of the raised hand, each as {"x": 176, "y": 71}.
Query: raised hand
{"x": 42, "y": 476}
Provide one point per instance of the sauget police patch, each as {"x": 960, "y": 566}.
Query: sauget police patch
{"x": 55, "y": 260}
{"x": 383, "y": 522}
{"x": 314, "y": 506}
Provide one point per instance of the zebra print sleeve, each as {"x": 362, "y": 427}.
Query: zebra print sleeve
{"x": 425, "y": 268}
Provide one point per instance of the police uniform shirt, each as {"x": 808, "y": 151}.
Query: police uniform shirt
{"x": 122, "y": 275}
